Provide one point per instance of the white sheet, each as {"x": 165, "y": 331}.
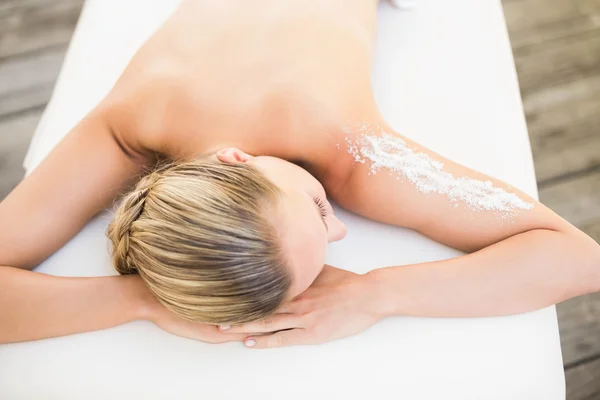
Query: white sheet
{"x": 444, "y": 76}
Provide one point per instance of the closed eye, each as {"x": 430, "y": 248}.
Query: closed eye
{"x": 321, "y": 204}
{"x": 322, "y": 209}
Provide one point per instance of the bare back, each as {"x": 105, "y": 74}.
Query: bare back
{"x": 258, "y": 75}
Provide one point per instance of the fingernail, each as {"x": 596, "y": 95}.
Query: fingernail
{"x": 224, "y": 327}
{"x": 250, "y": 342}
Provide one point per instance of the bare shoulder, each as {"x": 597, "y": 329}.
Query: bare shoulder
{"x": 82, "y": 175}
{"x": 145, "y": 111}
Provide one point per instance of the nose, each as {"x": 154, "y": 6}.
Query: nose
{"x": 337, "y": 230}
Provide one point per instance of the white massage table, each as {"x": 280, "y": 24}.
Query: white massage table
{"x": 444, "y": 76}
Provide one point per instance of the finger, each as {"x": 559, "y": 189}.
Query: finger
{"x": 273, "y": 323}
{"x": 223, "y": 338}
{"x": 279, "y": 339}
{"x": 216, "y": 336}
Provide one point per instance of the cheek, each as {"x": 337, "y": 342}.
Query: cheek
{"x": 306, "y": 279}
{"x": 316, "y": 268}
{"x": 308, "y": 273}
{"x": 317, "y": 271}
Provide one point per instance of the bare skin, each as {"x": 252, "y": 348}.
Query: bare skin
{"x": 283, "y": 79}
{"x": 259, "y": 82}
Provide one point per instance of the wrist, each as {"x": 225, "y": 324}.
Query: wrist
{"x": 143, "y": 303}
{"x": 381, "y": 304}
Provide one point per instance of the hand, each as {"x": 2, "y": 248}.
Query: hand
{"x": 337, "y": 304}
{"x": 172, "y": 323}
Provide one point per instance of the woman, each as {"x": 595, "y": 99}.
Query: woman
{"x": 225, "y": 231}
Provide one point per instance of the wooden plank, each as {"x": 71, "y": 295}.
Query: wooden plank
{"x": 15, "y": 135}
{"x": 27, "y": 82}
{"x": 576, "y": 200}
{"x": 574, "y": 157}
{"x": 551, "y": 63}
{"x": 553, "y": 30}
{"x": 554, "y": 97}
{"x": 563, "y": 126}
{"x": 583, "y": 382}
{"x": 580, "y": 328}
{"x": 543, "y": 17}
{"x": 31, "y": 25}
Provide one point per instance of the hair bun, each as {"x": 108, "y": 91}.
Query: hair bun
{"x": 119, "y": 230}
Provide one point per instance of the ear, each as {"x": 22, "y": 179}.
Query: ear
{"x": 232, "y": 155}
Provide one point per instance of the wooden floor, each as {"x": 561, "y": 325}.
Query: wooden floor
{"x": 556, "y": 44}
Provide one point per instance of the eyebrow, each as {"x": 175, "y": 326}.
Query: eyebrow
{"x": 321, "y": 216}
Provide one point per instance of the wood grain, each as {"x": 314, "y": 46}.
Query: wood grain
{"x": 561, "y": 60}
{"x": 15, "y": 135}
{"x": 541, "y": 20}
{"x": 582, "y": 382}
{"x": 27, "y": 26}
{"x": 576, "y": 200}
{"x": 555, "y": 44}
{"x": 563, "y": 123}
{"x": 580, "y": 328}
{"x": 27, "y": 82}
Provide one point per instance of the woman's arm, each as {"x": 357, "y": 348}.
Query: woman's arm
{"x": 525, "y": 256}
{"x": 80, "y": 177}
{"x": 523, "y": 273}
{"x": 36, "y": 306}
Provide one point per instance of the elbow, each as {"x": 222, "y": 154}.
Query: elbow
{"x": 586, "y": 254}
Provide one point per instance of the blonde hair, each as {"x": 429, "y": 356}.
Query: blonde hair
{"x": 199, "y": 235}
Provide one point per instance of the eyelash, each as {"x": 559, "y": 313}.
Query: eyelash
{"x": 321, "y": 205}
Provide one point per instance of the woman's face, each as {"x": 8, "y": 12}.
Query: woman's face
{"x": 305, "y": 219}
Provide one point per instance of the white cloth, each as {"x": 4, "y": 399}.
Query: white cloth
{"x": 444, "y": 76}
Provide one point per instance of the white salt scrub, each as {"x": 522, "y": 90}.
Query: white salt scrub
{"x": 389, "y": 152}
